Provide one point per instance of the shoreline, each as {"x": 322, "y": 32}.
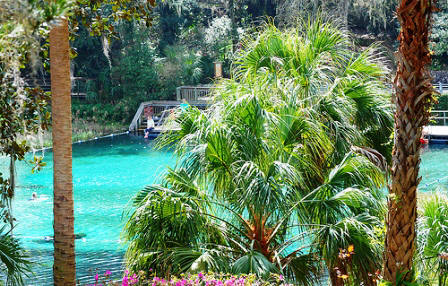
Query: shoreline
{"x": 83, "y": 141}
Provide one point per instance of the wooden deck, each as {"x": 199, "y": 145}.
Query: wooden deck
{"x": 162, "y": 109}
{"x": 436, "y": 134}
{"x": 198, "y": 96}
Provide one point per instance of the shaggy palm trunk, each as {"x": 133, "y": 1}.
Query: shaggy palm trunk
{"x": 64, "y": 238}
{"x": 335, "y": 275}
{"x": 413, "y": 99}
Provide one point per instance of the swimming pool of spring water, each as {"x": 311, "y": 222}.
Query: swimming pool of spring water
{"x": 106, "y": 174}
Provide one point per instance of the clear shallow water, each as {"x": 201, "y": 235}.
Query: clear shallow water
{"x": 434, "y": 168}
{"x": 106, "y": 174}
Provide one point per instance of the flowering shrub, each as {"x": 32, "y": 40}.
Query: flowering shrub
{"x": 208, "y": 279}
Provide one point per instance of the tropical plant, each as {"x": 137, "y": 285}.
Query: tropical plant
{"x": 432, "y": 239}
{"x": 414, "y": 96}
{"x": 271, "y": 179}
{"x": 23, "y": 112}
{"x": 14, "y": 260}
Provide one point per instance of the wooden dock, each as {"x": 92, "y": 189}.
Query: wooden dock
{"x": 436, "y": 134}
{"x": 161, "y": 112}
{"x": 198, "y": 96}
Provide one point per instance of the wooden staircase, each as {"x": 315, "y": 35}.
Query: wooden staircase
{"x": 195, "y": 95}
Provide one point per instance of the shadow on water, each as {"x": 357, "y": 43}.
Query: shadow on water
{"x": 87, "y": 265}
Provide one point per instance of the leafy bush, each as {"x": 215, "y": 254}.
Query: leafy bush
{"x": 432, "y": 239}
{"x": 209, "y": 279}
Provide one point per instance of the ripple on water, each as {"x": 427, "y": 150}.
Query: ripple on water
{"x": 87, "y": 265}
{"x": 106, "y": 174}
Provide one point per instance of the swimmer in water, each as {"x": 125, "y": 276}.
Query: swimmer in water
{"x": 36, "y": 198}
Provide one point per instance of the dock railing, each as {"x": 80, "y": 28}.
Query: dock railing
{"x": 440, "y": 117}
{"x": 158, "y": 107}
{"x": 161, "y": 108}
{"x": 192, "y": 93}
{"x": 78, "y": 85}
{"x": 441, "y": 87}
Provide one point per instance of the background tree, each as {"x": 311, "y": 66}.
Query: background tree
{"x": 414, "y": 96}
{"x": 23, "y": 114}
{"x": 90, "y": 13}
{"x": 271, "y": 166}
{"x": 63, "y": 211}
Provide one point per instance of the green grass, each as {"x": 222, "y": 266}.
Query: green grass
{"x": 81, "y": 130}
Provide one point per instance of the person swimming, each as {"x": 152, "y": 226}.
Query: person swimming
{"x": 36, "y": 198}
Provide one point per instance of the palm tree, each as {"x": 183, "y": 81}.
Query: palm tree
{"x": 413, "y": 99}
{"x": 272, "y": 162}
{"x": 64, "y": 239}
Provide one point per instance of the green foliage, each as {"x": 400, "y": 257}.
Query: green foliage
{"x": 14, "y": 259}
{"x": 133, "y": 72}
{"x": 23, "y": 113}
{"x": 371, "y": 16}
{"x": 433, "y": 239}
{"x": 99, "y": 16}
{"x": 266, "y": 177}
{"x": 180, "y": 66}
{"x": 439, "y": 38}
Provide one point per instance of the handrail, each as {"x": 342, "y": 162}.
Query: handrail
{"x": 134, "y": 123}
{"x": 444, "y": 116}
{"x": 192, "y": 93}
{"x": 162, "y": 117}
{"x": 157, "y": 105}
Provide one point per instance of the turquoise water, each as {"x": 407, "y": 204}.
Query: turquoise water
{"x": 434, "y": 168}
{"x": 106, "y": 174}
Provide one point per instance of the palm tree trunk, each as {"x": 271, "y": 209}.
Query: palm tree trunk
{"x": 334, "y": 277}
{"x": 413, "y": 99}
{"x": 64, "y": 239}
{"x": 233, "y": 24}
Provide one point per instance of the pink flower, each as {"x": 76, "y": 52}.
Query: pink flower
{"x": 96, "y": 277}
{"x": 107, "y": 273}
{"x": 200, "y": 275}
{"x": 281, "y": 277}
{"x": 124, "y": 282}
{"x": 134, "y": 279}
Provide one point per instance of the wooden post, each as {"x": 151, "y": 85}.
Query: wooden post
{"x": 178, "y": 93}
{"x": 218, "y": 69}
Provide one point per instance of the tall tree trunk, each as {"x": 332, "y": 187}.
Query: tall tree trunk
{"x": 232, "y": 23}
{"x": 64, "y": 239}
{"x": 413, "y": 99}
